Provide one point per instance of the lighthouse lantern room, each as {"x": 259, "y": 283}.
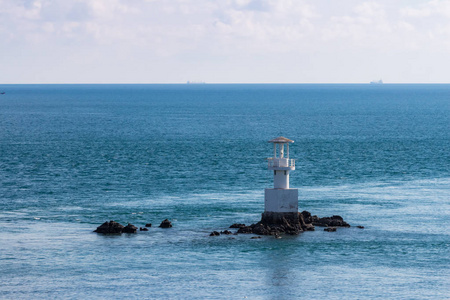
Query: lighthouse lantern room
{"x": 281, "y": 198}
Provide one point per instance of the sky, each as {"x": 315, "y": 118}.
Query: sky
{"x": 224, "y": 41}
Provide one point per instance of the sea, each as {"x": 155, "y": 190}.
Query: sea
{"x": 75, "y": 156}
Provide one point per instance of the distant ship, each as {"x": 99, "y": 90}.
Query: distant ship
{"x": 376, "y": 82}
{"x": 2, "y": 93}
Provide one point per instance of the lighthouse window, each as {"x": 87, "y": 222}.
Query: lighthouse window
{"x": 274, "y": 172}
{"x": 284, "y": 172}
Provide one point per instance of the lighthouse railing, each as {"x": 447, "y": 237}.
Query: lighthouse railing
{"x": 281, "y": 162}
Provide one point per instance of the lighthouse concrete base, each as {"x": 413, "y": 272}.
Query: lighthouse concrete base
{"x": 281, "y": 200}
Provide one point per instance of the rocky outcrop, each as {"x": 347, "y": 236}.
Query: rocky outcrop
{"x": 165, "y": 224}
{"x": 110, "y": 227}
{"x": 148, "y": 225}
{"x": 130, "y": 228}
{"x": 216, "y": 233}
{"x": 273, "y": 223}
{"x": 237, "y": 225}
{"x": 334, "y": 221}
{"x": 113, "y": 227}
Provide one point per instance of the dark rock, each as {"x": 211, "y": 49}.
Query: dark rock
{"x": 214, "y": 233}
{"x": 305, "y": 221}
{"x": 255, "y": 237}
{"x": 245, "y": 229}
{"x": 308, "y": 227}
{"x": 165, "y": 224}
{"x": 110, "y": 227}
{"x": 307, "y": 218}
{"x": 148, "y": 225}
{"x": 260, "y": 229}
{"x": 330, "y": 229}
{"x": 280, "y": 218}
{"x": 237, "y": 225}
{"x": 277, "y": 223}
{"x": 130, "y": 228}
{"x": 227, "y": 232}
{"x": 334, "y": 221}
{"x": 360, "y": 227}
{"x": 143, "y": 229}
{"x": 273, "y": 223}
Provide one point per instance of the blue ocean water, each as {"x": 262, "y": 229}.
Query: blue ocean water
{"x": 75, "y": 156}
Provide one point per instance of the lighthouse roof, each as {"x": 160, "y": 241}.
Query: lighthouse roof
{"x": 281, "y": 139}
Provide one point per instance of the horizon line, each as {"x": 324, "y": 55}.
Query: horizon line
{"x": 228, "y": 83}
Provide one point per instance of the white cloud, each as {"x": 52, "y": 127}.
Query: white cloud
{"x": 427, "y": 9}
{"x": 196, "y": 34}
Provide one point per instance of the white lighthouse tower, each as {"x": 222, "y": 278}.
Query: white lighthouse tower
{"x": 281, "y": 199}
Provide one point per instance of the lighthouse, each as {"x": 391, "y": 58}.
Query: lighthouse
{"x": 281, "y": 200}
